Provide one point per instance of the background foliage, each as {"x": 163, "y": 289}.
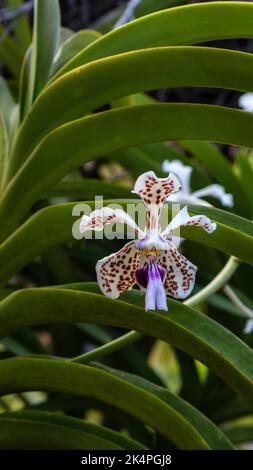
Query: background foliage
{"x": 161, "y": 87}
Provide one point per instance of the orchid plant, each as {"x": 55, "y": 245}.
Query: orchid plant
{"x": 153, "y": 261}
{"x": 76, "y": 97}
{"x": 186, "y": 195}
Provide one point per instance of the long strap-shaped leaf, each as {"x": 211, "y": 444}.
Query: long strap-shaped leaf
{"x": 53, "y": 225}
{"x": 33, "y": 429}
{"x": 176, "y": 26}
{"x": 183, "y": 327}
{"x": 117, "y": 129}
{"x": 44, "y": 45}
{"x": 88, "y": 188}
{"x": 96, "y": 84}
{"x": 50, "y": 375}
{"x": 198, "y": 420}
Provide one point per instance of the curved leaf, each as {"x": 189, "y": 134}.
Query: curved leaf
{"x": 240, "y": 434}
{"x": 36, "y": 430}
{"x": 200, "y": 423}
{"x": 176, "y": 26}
{"x": 24, "y": 90}
{"x": 50, "y": 375}
{"x": 7, "y": 106}
{"x": 53, "y": 225}
{"x": 96, "y": 84}
{"x": 45, "y": 42}
{"x": 86, "y": 188}
{"x": 74, "y": 44}
{"x": 137, "y": 161}
{"x": 4, "y": 144}
{"x": 117, "y": 129}
{"x": 183, "y": 327}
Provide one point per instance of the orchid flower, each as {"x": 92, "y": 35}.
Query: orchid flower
{"x": 152, "y": 261}
{"x": 246, "y": 102}
{"x": 186, "y": 196}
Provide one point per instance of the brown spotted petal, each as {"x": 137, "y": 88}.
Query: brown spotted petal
{"x": 101, "y": 217}
{"x": 155, "y": 190}
{"x": 116, "y": 273}
{"x": 183, "y": 219}
{"x": 180, "y": 278}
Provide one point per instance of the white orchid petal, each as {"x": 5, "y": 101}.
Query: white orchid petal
{"x": 116, "y": 272}
{"x": 155, "y": 190}
{"x": 180, "y": 219}
{"x": 181, "y": 273}
{"x": 217, "y": 191}
{"x": 101, "y": 217}
{"x": 183, "y": 219}
{"x": 245, "y": 102}
{"x": 183, "y": 172}
{"x": 182, "y": 198}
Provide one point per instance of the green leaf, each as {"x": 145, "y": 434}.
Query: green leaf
{"x": 24, "y": 84}
{"x": 86, "y": 188}
{"x": 202, "y": 425}
{"x": 37, "y": 430}
{"x": 158, "y": 413}
{"x": 72, "y": 404}
{"x": 231, "y": 410}
{"x": 136, "y": 160}
{"x": 99, "y": 83}
{"x": 118, "y": 129}
{"x": 134, "y": 358}
{"x": 72, "y": 46}
{"x": 53, "y": 225}
{"x": 7, "y": 106}
{"x": 176, "y": 26}
{"x": 46, "y": 36}
{"x": 4, "y": 143}
{"x": 191, "y": 389}
{"x": 243, "y": 168}
{"x": 184, "y": 328}
{"x": 239, "y": 434}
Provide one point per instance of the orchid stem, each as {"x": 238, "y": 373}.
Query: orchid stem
{"x": 216, "y": 284}
{"x": 236, "y": 301}
{"x": 108, "y": 348}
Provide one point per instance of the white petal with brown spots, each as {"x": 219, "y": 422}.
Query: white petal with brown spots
{"x": 116, "y": 273}
{"x": 180, "y": 278}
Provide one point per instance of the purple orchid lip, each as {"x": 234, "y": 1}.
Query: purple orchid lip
{"x": 151, "y": 277}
